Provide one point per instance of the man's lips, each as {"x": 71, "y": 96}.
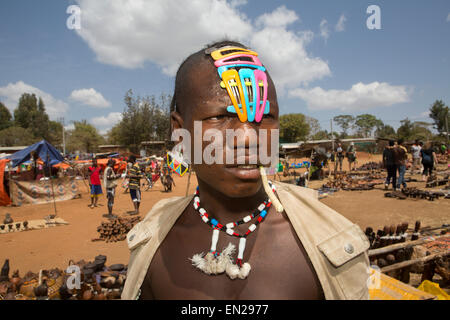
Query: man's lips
{"x": 244, "y": 171}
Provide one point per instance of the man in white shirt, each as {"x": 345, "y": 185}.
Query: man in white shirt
{"x": 415, "y": 151}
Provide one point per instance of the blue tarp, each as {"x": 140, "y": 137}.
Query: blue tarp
{"x": 44, "y": 150}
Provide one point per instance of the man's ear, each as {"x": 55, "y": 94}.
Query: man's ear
{"x": 176, "y": 121}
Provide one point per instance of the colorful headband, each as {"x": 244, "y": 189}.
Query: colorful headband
{"x": 176, "y": 163}
{"x": 245, "y": 79}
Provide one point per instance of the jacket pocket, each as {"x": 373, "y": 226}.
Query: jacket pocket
{"x": 349, "y": 263}
{"x": 137, "y": 236}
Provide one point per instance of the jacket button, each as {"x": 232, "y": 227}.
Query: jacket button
{"x": 131, "y": 237}
{"x": 348, "y": 248}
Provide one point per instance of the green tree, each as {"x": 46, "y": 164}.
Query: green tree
{"x": 5, "y": 117}
{"x": 440, "y": 115}
{"x": 406, "y": 130}
{"x": 344, "y": 121}
{"x": 84, "y": 137}
{"x": 55, "y": 132}
{"x": 293, "y": 127}
{"x": 16, "y": 136}
{"x": 144, "y": 118}
{"x": 314, "y": 126}
{"x": 385, "y": 131}
{"x": 365, "y": 123}
{"x": 30, "y": 113}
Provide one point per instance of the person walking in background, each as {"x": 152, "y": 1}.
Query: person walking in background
{"x": 389, "y": 164}
{"x": 429, "y": 160}
{"x": 94, "y": 181}
{"x": 351, "y": 156}
{"x": 415, "y": 151}
{"x": 110, "y": 184}
{"x": 134, "y": 175}
{"x": 401, "y": 155}
{"x": 338, "y": 157}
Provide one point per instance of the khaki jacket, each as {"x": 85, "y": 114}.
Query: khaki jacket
{"x": 336, "y": 247}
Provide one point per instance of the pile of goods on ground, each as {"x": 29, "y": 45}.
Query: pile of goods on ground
{"x": 369, "y": 166}
{"x": 442, "y": 158}
{"x": 117, "y": 229}
{"x": 423, "y": 251}
{"x": 435, "y": 181}
{"x": 354, "y": 182}
{"x": 417, "y": 194}
{"x": 81, "y": 281}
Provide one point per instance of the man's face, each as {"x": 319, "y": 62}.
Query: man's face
{"x": 207, "y": 102}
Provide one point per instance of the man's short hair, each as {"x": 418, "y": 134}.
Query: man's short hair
{"x": 391, "y": 143}
{"x": 400, "y": 141}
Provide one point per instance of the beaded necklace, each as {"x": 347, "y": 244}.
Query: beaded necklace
{"x": 215, "y": 263}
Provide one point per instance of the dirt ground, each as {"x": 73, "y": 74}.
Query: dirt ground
{"x": 54, "y": 247}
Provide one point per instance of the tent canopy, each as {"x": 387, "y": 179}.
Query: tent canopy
{"x": 44, "y": 150}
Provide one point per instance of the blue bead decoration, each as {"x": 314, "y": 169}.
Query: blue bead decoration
{"x": 263, "y": 213}
{"x": 214, "y": 222}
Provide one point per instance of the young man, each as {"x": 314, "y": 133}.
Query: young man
{"x": 400, "y": 161}
{"x": 351, "y": 157}
{"x": 389, "y": 163}
{"x": 415, "y": 150}
{"x": 338, "y": 157}
{"x": 94, "y": 181}
{"x": 301, "y": 249}
{"x": 109, "y": 180}
{"x": 429, "y": 160}
{"x": 134, "y": 175}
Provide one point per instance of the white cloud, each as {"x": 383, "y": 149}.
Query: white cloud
{"x": 130, "y": 33}
{"x": 280, "y": 17}
{"x": 107, "y": 122}
{"x": 12, "y": 92}
{"x": 359, "y": 97}
{"x": 448, "y": 17}
{"x": 324, "y": 31}
{"x": 90, "y": 97}
{"x": 340, "y": 26}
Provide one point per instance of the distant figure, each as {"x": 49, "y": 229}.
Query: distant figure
{"x": 401, "y": 156}
{"x": 415, "y": 151}
{"x": 389, "y": 164}
{"x": 94, "y": 181}
{"x": 168, "y": 182}
{"x": 109, "y": 178}
{"x": 338, "y": 157}
{"x": 351, "y": 156}
{"x": 134, "y": 175}
{"x": 429, "y": 160}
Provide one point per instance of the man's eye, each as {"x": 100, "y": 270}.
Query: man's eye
{"x": 218, "y": 117}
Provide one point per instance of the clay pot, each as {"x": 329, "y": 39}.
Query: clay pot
{"x": 64, "y": 292}
{"x": 4, "y": 273}
{"x": 8, "y": 219}
{"x": 42, "y": 290}
{"x": 10, "y": 227}
{"x": 100, "y": 296}
{"x": 2, "y": 227}
{"x": 87, "y": 295}
{"x": 117, "y": 267}
{"x": 16, "y": 280}
{"x": 25, "y": 224}
{"x": 18, "y": 225}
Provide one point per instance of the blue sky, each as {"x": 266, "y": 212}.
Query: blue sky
{"x": 320, "y": 70}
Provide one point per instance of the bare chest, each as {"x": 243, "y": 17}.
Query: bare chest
{"x": 280, "y": 266}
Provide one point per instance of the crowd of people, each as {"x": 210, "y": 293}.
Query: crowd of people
{"x": 149, "y": 171}
{"x": 395, "y": 160}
